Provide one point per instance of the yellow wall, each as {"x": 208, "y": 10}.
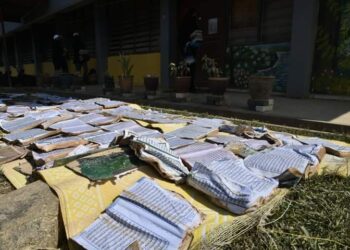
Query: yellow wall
{"x": 47, "y": 68}
{"x": 143, "y": 64}
{"x": 29, "y": 69}
{"x": 13, "y": 70}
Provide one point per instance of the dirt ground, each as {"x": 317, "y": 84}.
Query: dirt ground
{"x": 5, "y": 186}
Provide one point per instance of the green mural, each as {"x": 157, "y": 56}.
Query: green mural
{"x": 331, "y": 73}
{"x": 262, "y": 59}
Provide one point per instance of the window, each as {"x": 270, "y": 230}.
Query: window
{"x": 134, "y": 26}
{"x": 244, "y": 21}
{"x": 261, "y": 21}
{"x": 25, "y": 49}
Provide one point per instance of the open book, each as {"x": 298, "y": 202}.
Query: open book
{"x": 147, "y": 215}
{"x": 158, "y": 154}
{"x": 231, "y": 185}
{"x": 287, "y": 164}
{"x": 204, "y": 153}
{"x": 332, "y": 148}
{"x": 192, "y": 131}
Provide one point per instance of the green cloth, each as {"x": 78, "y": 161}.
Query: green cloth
{"x": 104, "y": 167}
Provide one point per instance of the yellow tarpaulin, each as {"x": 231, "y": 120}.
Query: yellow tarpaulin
{"x": 82, "y": 201}
{"x": 17, "y": 179}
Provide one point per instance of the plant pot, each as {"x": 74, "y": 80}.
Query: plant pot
{"x": 151, "y": 83}
{"x": 260, "y": 87}
{"x": 126, "y": 84}
{"x": 218, "y": 85}
{"x": 182, "y": 84}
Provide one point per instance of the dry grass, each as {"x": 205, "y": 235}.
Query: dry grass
{"x": 314, "y": 215}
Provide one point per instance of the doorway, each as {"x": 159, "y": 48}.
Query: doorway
{"x": 212, "y": 21}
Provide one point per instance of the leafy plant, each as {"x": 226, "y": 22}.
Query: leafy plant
{"x": 249, "y": 60}
{"x": 211, "y": 67}
{"x": 180, "y": 70}
{"x": 126, "y": 65}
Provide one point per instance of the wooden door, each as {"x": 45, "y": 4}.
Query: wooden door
{"x": 213, "y": 22}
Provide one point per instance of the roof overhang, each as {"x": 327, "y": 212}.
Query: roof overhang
{"x": 15, "y": 10}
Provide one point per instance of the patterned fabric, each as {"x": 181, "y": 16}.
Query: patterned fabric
{"x": 231, "y": 184}
{"x": 145, "y": 213}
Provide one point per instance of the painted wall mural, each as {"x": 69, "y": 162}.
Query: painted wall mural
{"x": 265, "y": 59}
{"x": 331, "y": 71}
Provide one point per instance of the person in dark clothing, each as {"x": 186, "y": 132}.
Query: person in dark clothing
{"x": 80, "y": 55}
{"x": 190, "y": 39}
{"x": 59, "y": 54}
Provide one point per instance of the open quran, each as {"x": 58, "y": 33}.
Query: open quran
{"x": 144, "y": 214}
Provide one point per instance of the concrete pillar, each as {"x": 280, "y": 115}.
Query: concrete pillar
{"x": 101, "y": 41}
{"x": 15, "y": 45}
{"x": 304, "y": 31}
{"x": 4, "y": 48}
{"x": 168, "y": 35}
{"x": 36, "y": 59}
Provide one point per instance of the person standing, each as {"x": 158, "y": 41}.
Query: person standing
{"x": 80, "y": 55}
{"x": 59, "y": 54}
{"x": 190, "y": 39}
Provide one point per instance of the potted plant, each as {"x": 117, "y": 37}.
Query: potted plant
{"x": 126, "y": 79}
{"x": 252, "y": 68}
{"x": 217, "y": 80}
{"x": 181, "y": 73}
{"x": 151, "y": 83}
{"x": 260, "y": 86}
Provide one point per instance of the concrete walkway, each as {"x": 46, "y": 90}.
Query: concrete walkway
{"x": 323, "y": 115}
{"x": 319, "y": 110}
{"x": 316, "y": 114}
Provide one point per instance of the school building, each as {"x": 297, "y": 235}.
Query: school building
{"x": 304, "y": 44}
